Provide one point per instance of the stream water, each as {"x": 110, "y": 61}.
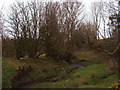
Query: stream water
{"x": 73, "y": 64}
{"x": 77, "y": 65}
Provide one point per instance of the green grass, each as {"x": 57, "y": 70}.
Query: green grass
{"x": 7, "y": 74}
{"x": 40, "y": 69}
{"x": 92, "y": 75}
{"x": 96, "y": 70}
{"x": 8, "y": 70}
{"x": 103, "y": 83}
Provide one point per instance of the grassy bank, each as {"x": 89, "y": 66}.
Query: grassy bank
{"x": 94, "y": 74}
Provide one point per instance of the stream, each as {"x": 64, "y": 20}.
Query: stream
{"x": 77, "y": 65}
{"x": 49, "y": 79}
{"x": 73, "y": 64}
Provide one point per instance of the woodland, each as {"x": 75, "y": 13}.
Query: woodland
{"x": 59, "y": 45}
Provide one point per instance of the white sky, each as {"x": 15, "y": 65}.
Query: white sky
{"x": 7, "y": 3}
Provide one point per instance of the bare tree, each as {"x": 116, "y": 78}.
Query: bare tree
{"x": 45, "y": 27}
{"x": 96, "y": 13}
{"x": 73, "y": 17}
